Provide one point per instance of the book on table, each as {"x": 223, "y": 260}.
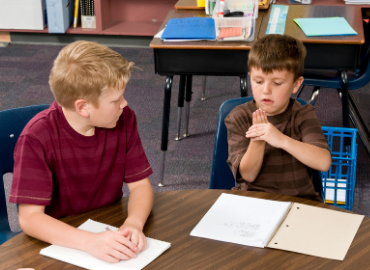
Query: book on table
{"x": 288, "y": 226}
{"x": 82, "y": 259}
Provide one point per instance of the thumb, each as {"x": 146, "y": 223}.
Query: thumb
{"x": 125, "y": 232}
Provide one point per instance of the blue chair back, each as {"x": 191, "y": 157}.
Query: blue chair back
{"x": 221, "y": 176}
{"x": 12, "y": 123}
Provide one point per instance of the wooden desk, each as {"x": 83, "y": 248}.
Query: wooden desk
{"x": 174, "y": 215}
{"x": 196, "y": 58}
{"x": 330, "y": 52}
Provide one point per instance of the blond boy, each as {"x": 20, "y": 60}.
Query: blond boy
{"x": 75, "y": 156}
{"x": 273, "y": 140}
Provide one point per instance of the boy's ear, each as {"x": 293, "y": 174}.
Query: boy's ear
{"x": 82, "y": 107}
{"x": 297, "y": 84}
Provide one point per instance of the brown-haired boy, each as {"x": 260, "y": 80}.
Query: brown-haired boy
{"x": 274, "y": 139}
{"x": 74, "y": 157}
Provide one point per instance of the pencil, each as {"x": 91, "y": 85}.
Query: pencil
{"x": 76, "y": 14}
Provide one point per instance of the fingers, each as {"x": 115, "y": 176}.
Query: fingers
{"x": 259, "y": 117}
{"x": 125, "y": 244}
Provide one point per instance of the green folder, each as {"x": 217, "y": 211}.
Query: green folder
{"x": 332, "y": 26}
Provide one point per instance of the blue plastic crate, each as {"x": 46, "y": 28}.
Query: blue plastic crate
{"x": 339, "y": 182}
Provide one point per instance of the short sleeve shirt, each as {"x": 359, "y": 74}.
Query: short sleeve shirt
{"x": 70, "y": 173}
{"x": 281, "y": 172}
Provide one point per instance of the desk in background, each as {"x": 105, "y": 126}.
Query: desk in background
{"x": 211, "y": 58}
{"x": 192, "y": 4}
{"x": 174, "y": 215}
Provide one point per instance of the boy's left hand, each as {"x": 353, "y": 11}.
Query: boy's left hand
{"x": 136, "y": 235}
{"x": 265, "y": 131}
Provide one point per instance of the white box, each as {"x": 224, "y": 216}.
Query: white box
{"x": 23, "y": 14}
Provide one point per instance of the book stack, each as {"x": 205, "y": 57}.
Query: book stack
{"x": 88, "y": 19}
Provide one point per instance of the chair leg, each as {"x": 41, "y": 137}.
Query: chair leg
{"x": 188, "y": 93}
{"x": 345, "y": 103}
{"x": 165, "y": 127}
{"x": 243, "y": 87}
{"x": 314, "y": 95}
{"x": 204, "y": 81}
{"x": 180, "y": 104}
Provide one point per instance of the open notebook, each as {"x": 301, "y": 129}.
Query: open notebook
{"x": 85, "y": 260}
{"x": 282, "y": 225}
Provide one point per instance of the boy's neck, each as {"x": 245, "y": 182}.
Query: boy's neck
{"x": 78, "y": 123}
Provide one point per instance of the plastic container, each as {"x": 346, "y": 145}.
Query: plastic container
{"x": 247, "y": 22}
{"x": 339, "y": 182}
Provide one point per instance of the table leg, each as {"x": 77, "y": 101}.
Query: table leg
{"x": 345, "y": 99}
{"x": 165, "y": 126}
{"x": 180, "y": 104}
{"x": 243, "y": 87}
{"x": 204, "y": 81}
{"x": 187, "y": 103}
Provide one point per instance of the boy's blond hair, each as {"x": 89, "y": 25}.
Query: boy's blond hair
{"x": 278, "y": 52}
{"x": 85, "y": 69}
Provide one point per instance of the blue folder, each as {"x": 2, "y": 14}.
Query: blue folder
{"x": 190, "y": 28}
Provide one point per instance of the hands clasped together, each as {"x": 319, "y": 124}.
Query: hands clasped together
{"x": 263, "y": 130}
{"x": 114, "y": 246}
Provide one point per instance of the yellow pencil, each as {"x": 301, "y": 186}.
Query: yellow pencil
{"x": 76, "y": 14}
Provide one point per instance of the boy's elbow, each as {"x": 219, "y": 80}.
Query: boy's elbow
{"x": 326, "y": 163}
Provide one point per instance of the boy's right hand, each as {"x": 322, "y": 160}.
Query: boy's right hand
{"x": 111, "y": 246}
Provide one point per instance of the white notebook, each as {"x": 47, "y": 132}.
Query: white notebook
{"x": 85, "y": 260}
{"x": 288, "y": 226}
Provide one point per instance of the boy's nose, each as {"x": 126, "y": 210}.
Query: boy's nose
{"x": 266, "y": 89}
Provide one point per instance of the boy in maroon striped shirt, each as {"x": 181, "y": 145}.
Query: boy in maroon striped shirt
{"x": 273, "y": 140}
{"x": 75, "y": 156}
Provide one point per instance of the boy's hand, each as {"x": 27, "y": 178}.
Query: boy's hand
{"x": 259, "y": 117}
{"x": 111, "y": 246}
{"x": 266, "y": 132}
{"x": 136, "y": 235}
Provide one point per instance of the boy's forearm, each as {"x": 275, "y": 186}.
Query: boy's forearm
{"x": 48, "y": 229}
{"x": 251, "y": 163}
{"x": 312, "y": 156}
{"x": 140, "y": 204}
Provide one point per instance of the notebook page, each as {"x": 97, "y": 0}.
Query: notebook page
{"x": 241, "y": 220}
{"x": 85, "y": 260}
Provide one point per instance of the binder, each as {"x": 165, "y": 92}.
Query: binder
{"x": 287, "y": 226}
{"x": 195, "y": 28}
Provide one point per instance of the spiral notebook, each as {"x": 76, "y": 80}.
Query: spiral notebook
{"x": 87, "y": 261}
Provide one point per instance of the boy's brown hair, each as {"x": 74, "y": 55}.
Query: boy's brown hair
{"x": 278, "y": 52}
{"x": 85, "y": 69}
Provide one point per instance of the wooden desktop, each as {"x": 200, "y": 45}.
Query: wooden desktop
{"x": 174, "y": 215}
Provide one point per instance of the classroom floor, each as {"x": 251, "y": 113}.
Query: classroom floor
{"x": 24, "y": 73}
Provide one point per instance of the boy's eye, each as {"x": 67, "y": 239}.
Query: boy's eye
{"x": 277, "y": 83}
{"x": 258, "y": 82}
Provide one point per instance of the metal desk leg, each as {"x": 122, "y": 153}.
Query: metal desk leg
{"x": 165, "y": 126}
{"x": 180, "y": 104}
{"x": 204, "y": 81}
{"x": 345, "y": 99}
{"x": 243, "y": 87}
{"x": 187, "y": 103}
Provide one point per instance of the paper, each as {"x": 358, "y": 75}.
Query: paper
{"x": 330, "y": 26}
{"x": 85, "y": 260}
{"x": 317, "y": 231}
{"x": 242, "y": 220}
{"x": 276, "y": 24}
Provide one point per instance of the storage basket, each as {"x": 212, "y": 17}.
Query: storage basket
{"x": 339, "y": 182}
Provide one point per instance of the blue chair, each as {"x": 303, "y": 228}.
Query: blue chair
{"x": 12, "y": 123}
{"x": 221, "y": 176}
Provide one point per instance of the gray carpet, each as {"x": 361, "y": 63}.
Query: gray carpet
{"x": 24, "y": 71}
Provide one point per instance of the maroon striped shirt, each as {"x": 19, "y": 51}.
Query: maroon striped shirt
{"x": 280, "y": 173}
{"x": 70, "y": 173}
